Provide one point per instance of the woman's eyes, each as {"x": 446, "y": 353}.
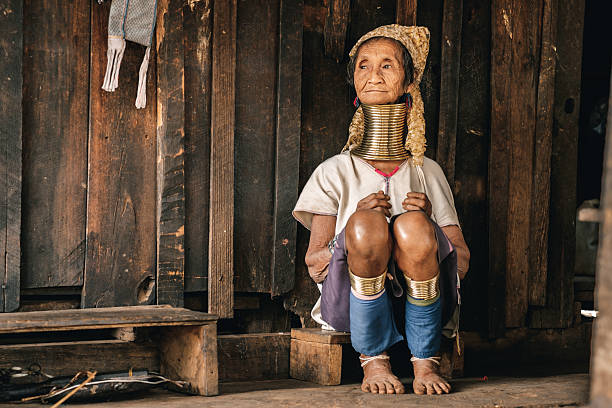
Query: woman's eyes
{"x": 386, "y": 66}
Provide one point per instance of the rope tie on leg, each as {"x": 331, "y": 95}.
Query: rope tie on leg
{"x": 435, "y": 360}
{"x": 366, "y": 360}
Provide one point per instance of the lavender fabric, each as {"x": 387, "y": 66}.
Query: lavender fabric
{"x": 336, "y": 288}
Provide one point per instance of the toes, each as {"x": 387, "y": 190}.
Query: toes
{"x": 445, "y": 386}
{"x": 365, "y": 387}
{"x": 382, "y": 389}
{"x": 437, "y": 388}
{"x": 398, "y": 387}
{"x": 418, "y": 388}
{"x": 389, "y": 387}
{"x": 430, "y": 389}
{"x": 374, "y": 388}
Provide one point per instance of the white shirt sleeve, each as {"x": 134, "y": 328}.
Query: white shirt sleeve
{"x": 318, "y": 197}
{"x": 440, "y": 195}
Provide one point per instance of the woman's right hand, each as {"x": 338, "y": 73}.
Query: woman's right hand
{"x": 378, "y": 201}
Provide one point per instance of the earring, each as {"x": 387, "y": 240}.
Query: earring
{"x": 356, "y": 102}
{"x": 407, "y": 99}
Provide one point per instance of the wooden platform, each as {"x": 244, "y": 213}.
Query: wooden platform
{"x": 557, "y": 391}
{"x": 186, "y": 349}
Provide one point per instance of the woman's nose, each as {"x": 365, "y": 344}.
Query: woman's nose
{"x": 375, "y": 76}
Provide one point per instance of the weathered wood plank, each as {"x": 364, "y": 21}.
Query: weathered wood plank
{"x": 250, "y": 357}
{"x": 120, "y": 267}
{"x": 429, "y": 14}
{"x": 197, "y": 31}
{"x": 288, "y": 132}
{"x": 406, "y": 12}
{"x": 449, "y": 87}
{"x": 336, "y": 25}
{"x": 499, "y": 164}
{"x": 170, "y": 153}
{"x": 101, "y": 318}
{"x": 601, "y": 393}
{"x": 256, "y": 80}
{"x": 190, "y": 354}
{"x": 221, "y": 232}
{"x": 471, "y": 164}
{"x": 538, "y": 246}
{"x": 515, "y": 49}
{"x": 68, "y": 358}
{"x": 316, "y": 362}
{"x": 321, "y": 336}
{"x": 559, "y": 295}
{"x": 11, "y": 72}
{"x": 55, "y": 102}
{"x": 524, "y": 31}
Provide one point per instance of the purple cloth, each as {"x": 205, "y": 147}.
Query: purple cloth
{"x": 337, "y": 288}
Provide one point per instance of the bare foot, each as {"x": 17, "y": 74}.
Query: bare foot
{"x": 427, "y": 379}
{"x": 378, "y": 378}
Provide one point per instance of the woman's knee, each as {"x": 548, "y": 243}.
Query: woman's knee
{"x": 415, "y": 235}
{"x": 367, "y": 234}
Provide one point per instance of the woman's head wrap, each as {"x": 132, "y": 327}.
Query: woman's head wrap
{"x": 416, "y": 41}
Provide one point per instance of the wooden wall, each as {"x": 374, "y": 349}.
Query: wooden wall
{"x": 193, "y": 194}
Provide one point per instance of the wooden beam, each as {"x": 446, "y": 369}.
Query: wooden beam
{"x": 559, "y": 310}
{"x": 120, "y": 266}
{"x": 538, "y": 247}
{"x": 170, "y": 154}
{"x": 601, "y": 372}
{"x": 288, "y": 132}
{"x": 197, "y": 32}
{"x": 221, "y": 243}
{"x": 11, "y": 48}
{"x": 251, "y": 357}
{"x": 499, "y": 165}
{"x": 55, "y": 124}
{"x": 449, "y": 87}
{"x": 336, "y": 25}
{"x": 406, "y": 12}
{"x": 515, "y": 40}
{"x": 68, "y": 358}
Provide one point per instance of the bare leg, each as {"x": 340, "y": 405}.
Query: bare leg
{"x": 415, "y": 253}
{"x": 369, "y": 244}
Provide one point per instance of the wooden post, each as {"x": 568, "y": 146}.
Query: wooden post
{"x": 170, "y": 154}
{"x": 559, "y": 311}
{"x": 11, "y": 49}
{"x": 120, "y": 266}
{"x": 515, "y": 40}
{"x": 601, "y": 360}
{"x": 406, "y": 12}
{"x": 336, "y": 24}
{"x": 288, "y": 131}
{"x": 221, "y": 242}
{"x": 197, "y": 32}
{"x": 543, "y": 148}
{"x": 449, "y": 87}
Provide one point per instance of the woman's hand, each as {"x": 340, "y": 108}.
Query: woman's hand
{"x": 318, "y": 255}
{"x": 417, "y": 201}
{"x": 376, "y": 201}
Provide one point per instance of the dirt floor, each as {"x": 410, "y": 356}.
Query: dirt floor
{"x": 557, "y": 391}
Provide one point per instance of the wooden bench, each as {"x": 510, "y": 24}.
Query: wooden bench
{"x": 316, "y": 356}
{"x": 186, "y": 350}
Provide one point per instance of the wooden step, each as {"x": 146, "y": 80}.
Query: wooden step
{"x": 187, "y": 346}
{"x": 102, "y": 318}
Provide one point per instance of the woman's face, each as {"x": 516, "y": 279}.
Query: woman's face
{"x": 379, "y": 72}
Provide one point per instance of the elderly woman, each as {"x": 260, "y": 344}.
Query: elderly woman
{"x": 380, "y": 208}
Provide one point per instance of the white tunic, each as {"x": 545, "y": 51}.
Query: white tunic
{"x": 340, "y": 182}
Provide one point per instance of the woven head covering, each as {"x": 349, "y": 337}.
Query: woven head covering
{"x": 416, "y": 41}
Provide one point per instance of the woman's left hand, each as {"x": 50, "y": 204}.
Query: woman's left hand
{"x": 417, "y": 201}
